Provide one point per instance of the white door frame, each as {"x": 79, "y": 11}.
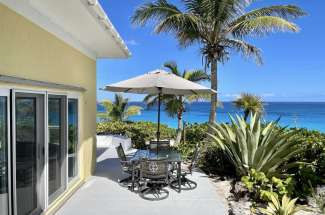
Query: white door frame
{"x": 63, "y": 95}
{"x": 77, "y": 97}
{"x": 43, "y": 182}
{"x": 6, "y": 93}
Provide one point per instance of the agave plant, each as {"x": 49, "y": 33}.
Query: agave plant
{"x": 249, "y": 145}
{"x": 285, "y": 207}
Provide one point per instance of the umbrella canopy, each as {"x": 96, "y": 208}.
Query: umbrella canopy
{"x": 159, "y": 81}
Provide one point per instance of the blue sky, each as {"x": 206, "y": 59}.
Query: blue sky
{"x": 293, "y": 69}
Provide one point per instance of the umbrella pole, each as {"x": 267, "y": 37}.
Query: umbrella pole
{"x": 158, "y": 130}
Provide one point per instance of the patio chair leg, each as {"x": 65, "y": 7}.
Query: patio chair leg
{"x": 185, "y": 184}
{"x": 125, "y": 182}
{"x": 157, "y": 192}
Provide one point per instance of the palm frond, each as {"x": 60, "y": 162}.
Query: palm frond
{"x": 282, "y": 11}
{"x": 150, "y": 100}
{"x": 132, "y": 110}
{"x": 158, "y": 10}
{"x": 107, "y": 104}
{"x": 262, "y": 25}
{"x": 198, "y": 97}
{"x": 172, "y": 66}
{"x": 196, "y": 75}
{"x": 173, "y": 106}
{"x": 246, "y": 49}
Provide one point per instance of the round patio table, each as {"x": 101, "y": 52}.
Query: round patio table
{"x": 171, "y": 155}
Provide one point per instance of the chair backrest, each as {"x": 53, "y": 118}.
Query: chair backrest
{"x": 194, "y": 158}
{"x": 162, "y": 144}
{"x": 120, "y": 153}
{"x": 155, "y": 169}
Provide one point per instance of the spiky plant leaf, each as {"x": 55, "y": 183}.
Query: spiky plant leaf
{"x": 249, "y": 145}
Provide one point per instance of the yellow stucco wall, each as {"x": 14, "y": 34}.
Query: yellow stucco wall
{"x": 31, "y": 52}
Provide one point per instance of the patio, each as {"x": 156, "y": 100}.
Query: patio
{"x": 101, "y": 194}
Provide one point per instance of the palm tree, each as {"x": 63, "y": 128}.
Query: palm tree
{"x": 119, "y": 110}
{"x": 175, "y": 105}
{"x": 250, "y": 104}
{"x": 219, "y": 27}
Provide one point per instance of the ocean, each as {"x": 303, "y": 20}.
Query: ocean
{"x": 309, "y": 115}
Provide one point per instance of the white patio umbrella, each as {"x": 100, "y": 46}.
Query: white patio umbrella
{"x": 159, "y": 82}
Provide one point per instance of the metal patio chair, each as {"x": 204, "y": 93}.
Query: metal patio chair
{"x": 187, "y": 169}
{"x": 153, "y": 178}
{"x": 128, "y": 167}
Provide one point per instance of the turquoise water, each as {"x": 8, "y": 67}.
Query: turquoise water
{"x": 309, "y": 115}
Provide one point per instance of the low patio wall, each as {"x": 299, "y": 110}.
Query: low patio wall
{"x": 105, "y": 141}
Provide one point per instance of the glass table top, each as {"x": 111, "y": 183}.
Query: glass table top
{"x": 171, "y": 155}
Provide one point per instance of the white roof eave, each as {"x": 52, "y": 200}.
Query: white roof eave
{"x": 83, "y": 24}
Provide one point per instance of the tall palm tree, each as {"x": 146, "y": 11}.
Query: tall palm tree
{"x": 250, "y": 104}
{"x": 175, "y": 105}
{"x": 118, "y": 110}
{"x": 219, "y": 27}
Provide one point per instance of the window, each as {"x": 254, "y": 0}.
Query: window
{"x": 72, "y": 138}
{"x": 4, "y": 200}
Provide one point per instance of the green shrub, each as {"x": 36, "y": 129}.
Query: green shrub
{"x": 261, "y": 187}
{"x": 139, "y": 132}
{"x": 249, "y": 145}
{"x": 311, "y": 158}
{"x": 212, "y": 161}
{"x": 194, "y": 134}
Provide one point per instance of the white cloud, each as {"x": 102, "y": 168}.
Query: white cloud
{"x": 132, "y": 42}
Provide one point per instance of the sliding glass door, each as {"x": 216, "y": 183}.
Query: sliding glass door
{"x": 4, "y": 194}
{"x": 57, "y": 145}
{"x": 41, "y": 156}
{"x": 29, "y": 152}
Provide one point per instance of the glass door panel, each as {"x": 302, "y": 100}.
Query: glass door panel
{"x": 57, "y": 145}
{"x": 29, "y": 115}
{"x": 4, "y": 200}
{"x": 73, "y": 138}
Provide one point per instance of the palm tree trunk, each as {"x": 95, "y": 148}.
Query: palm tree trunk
{"x": 214, "y": 86}
{"x": 179, "y": 130}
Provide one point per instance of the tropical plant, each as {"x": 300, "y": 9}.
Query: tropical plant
{"x": 175, "y": 105}
{"x": 261, "y": 187}
{"x": 285, "y": 207}
{"x": 249, "y": 145}
{"x": 139, "y": 132}
{"x": 219, "y": 27}
{"x": 312, "y": 161}
{"x": 118, "y": 110}
{"x": 250, "y": 104}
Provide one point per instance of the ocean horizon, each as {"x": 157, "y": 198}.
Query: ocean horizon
{"x": 310, "y": 115}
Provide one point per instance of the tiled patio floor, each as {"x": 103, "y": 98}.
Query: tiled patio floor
{"x": 102, "y": 195}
